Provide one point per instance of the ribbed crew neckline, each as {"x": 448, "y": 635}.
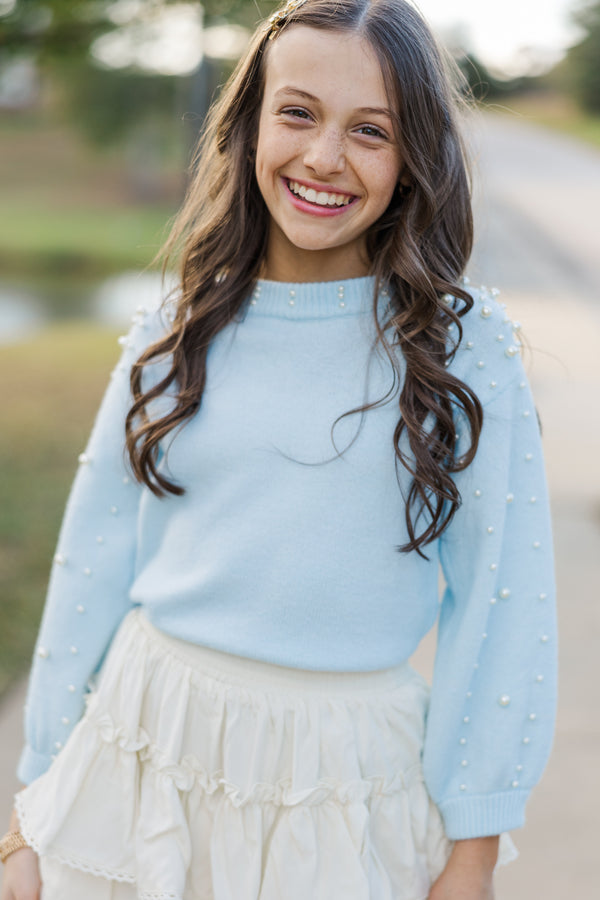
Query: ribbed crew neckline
{"x": 312, "y": 299}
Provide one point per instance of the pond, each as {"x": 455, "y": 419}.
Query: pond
{"x": 26, "y": 306}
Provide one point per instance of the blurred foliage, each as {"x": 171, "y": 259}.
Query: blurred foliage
{"x": 54, "y": 28}
{"x": 483, "y": 85}
{"x": 582, "y": 65}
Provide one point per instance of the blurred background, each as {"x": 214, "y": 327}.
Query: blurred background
{"x": 101, "y": 102}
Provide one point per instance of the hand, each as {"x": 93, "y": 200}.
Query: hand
{"x": 21, "y": 877}
{"x": 468, "y": 874}
{"x": 21, "y": 880}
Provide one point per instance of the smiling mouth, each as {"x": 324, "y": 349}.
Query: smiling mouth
{"x": 319, "y": 198}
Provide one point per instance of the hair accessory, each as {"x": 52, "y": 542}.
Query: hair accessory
{"x": 12, "y": 840}
{"x": 279, "y": 17}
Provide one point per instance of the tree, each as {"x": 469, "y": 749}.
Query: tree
{"x": 583, "y": 60}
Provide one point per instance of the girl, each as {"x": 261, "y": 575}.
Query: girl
{"x": 321, "y": 417}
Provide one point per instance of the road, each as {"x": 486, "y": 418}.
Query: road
{"x": 537, "y": 202}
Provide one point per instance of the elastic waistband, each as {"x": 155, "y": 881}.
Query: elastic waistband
{"x": 243, "y": 671}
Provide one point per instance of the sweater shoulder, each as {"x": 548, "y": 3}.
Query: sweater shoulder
{"x": 487, "y": 357}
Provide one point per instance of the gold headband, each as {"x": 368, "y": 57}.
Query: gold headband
{"x": 279, "y": 17}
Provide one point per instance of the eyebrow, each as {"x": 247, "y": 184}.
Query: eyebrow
{"x": 369, "y": 110}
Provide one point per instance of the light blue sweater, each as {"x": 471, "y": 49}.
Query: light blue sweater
{"x": 284, "y": 552}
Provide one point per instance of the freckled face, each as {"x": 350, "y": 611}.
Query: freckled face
{"x": 327, "y": 161}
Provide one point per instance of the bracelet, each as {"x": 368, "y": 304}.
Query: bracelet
{"x": 12, "y": 840}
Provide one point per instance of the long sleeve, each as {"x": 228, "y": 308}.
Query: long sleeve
{"x": 491, "y": 717}
{"x": 88, "y": 593}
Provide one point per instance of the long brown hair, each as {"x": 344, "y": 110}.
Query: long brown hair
{"x": 418, "y": 250}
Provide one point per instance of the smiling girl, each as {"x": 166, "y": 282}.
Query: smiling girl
{"x": 221, "y": 705}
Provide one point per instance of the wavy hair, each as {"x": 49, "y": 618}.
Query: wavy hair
{"x": 418, "y": 250}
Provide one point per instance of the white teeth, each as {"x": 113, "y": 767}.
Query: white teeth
{"x": 322, "y": 198}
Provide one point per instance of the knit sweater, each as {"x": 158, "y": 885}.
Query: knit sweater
{"x": 284, "y": 547}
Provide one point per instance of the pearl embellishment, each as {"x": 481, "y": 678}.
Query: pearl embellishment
{"x": 485, "y": 312}
{"x": 60, "y": 560}
{"x": 74, "y": 651}
{"x": 71, "y": 688}
{"x": 65, "y": 720}
{"x": 43, "y": 652}
{"x": 80, "y": 608}
{"x": 84, "y": 459}
{"x": 505, "y": 593}
{"x": 504, "y": 700}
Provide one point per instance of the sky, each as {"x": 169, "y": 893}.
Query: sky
{"x": 501, "y": 30}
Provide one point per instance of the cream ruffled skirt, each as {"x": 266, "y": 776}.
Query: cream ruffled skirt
{"x": 197, "y": 775}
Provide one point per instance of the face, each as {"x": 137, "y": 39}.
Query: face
{"x": 327, "y": 161}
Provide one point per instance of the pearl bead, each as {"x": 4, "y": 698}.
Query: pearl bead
{"x": 543, "y": 596}
{"x": 342, "y": 304}
{"x": 74, "y": 651}
{"x": 466, "y": 720}
{"x": 57, "y": 745}
{"x": 515, "y": 784}
{"x": 71, "y": 688}
{"x": 253, "y": 302}
{"x": 480, "y": 364}
{"x": 505, "y": 593}
{"x": 493, "y": 384}
{"x": 99, "y": 539}
{"x": 516, "y": 326}
{"x": 544, "y": 638}
{"x": 536, "y": 545}
{"x": 485, "y": 312}
{"x": 65, "y": 720}
{"x": 484, "y": 635}
{"x": 533, "y": 499}
{"x": 477, "y": 493}
{"x": 523, "y": 385}
{"x": 84, "y": 459}
{"x": 141, "y": 310}
{"x": 114, "y": 510}
{"x": 504, "y": 700}
{"x": 510, "y": 498}
{"x": 126, "y": 479}
{"x": 525, "y": 740}
{"x": 123, "y": 340}
{"x": 511, "y": 351}
{"x": 463, "y": 741}
{"x": 87, "y": 571}
{"x": 470, "y": 345}
{"x": 493, "y": 567}
{"x": 492, "y": 600}
{"x": 490, "y": 529}
{"x": 475, "y": 665}
{"x": 80, "y": 608}
{"x": 539, "y": 678}
{"x": 519, "y": 768}
{"x": 469, "y": 694}
{"x": 528, "y": 457}
{"x": 60, "y": 560}
{"x": 526, "y": 413}
{"x": 292, "y": 302}
{"x": 43, "y": 652}
{"x": 464, "y": 762}
{"x": 463, "y": 787}
{"x": 532, "y": 717}
{"x": 292, "y": 294}
{"x": 500, "y": 338}
{"x": 495, "y": 292}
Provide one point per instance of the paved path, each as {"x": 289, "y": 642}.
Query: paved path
{"x": 538, "y": 242}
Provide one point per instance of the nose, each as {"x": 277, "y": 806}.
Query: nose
{"x": 325, "y": 153}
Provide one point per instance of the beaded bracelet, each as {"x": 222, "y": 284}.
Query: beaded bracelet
{"x": 12, "y": 840}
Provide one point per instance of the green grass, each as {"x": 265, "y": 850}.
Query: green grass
{"x": 52, "y": 385}
{"x": 554, "y": 111}
{"x": 94, "y": 240}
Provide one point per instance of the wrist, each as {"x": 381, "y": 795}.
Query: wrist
{"x": 480, "y": 852}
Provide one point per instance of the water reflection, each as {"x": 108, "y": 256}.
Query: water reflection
{"x": 24, "y": 309}
{"x": 20, "y": 315}
{"x": 117, "y": 298}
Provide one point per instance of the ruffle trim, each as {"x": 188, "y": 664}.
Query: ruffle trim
{"x": 74, "y": 862}
{"x": 188, "y": 772}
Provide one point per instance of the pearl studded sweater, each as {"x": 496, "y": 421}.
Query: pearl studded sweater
{"x": 282, "y": 550}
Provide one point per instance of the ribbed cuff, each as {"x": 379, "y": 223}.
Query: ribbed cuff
{"x": 483, "y": 815}
{"x": 32, "y": 764}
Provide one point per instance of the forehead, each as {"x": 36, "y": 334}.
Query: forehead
{"x": 336, "y": 65}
